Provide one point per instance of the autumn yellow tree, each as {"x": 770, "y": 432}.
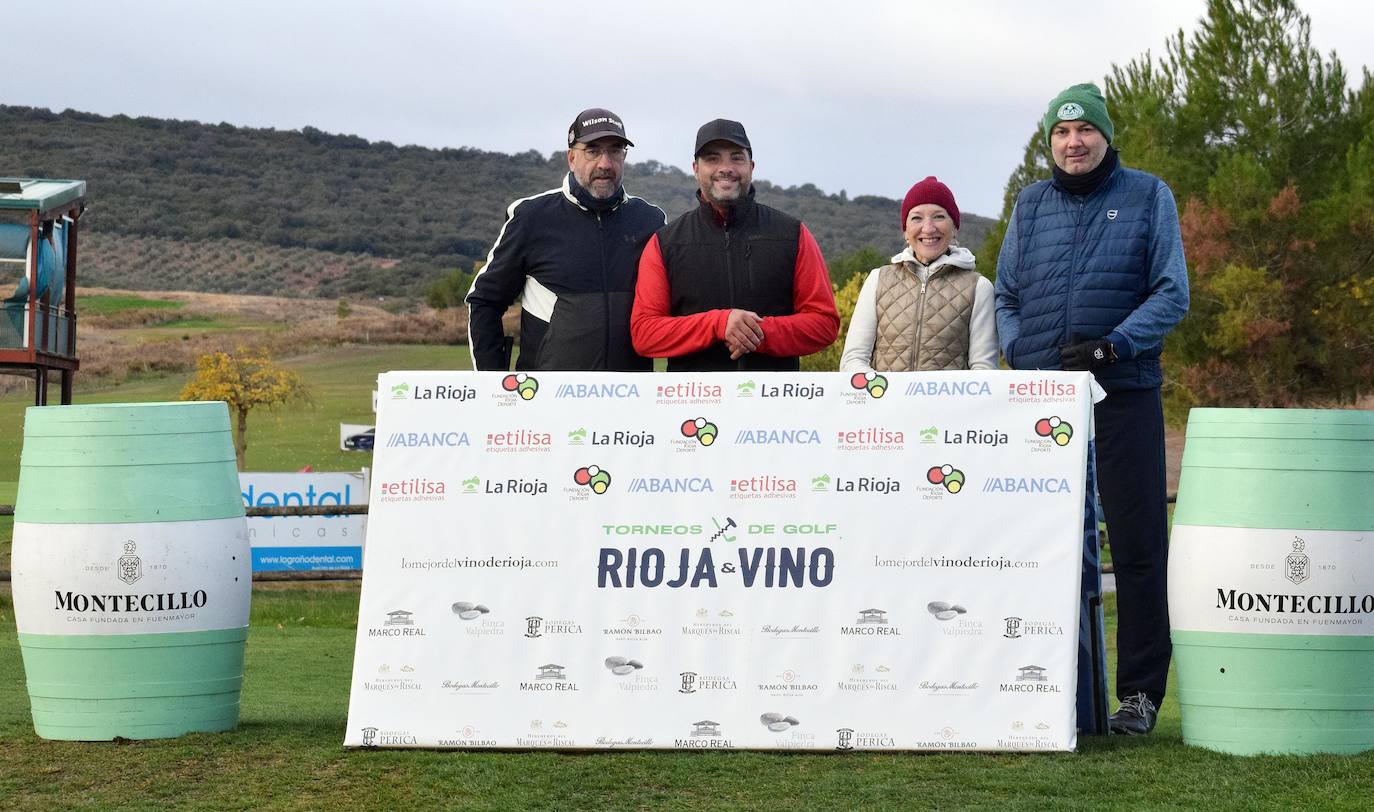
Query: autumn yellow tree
{"x": 245, "y": 380}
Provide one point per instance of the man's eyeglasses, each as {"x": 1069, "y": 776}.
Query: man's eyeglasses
{"x": 616, "y": 153}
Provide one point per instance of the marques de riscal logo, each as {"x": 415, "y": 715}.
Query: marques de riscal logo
{"x": 526, "y": 386}
{"x": 947, "y": 477}
{"x": 871, "y": 382}
{"x": 1296, "y": 567}
{"x": 1055, "y": 428}
{"x": 703, "y": 430}
{"x": 593, "y": 477}
{"x": 130, "y": 566}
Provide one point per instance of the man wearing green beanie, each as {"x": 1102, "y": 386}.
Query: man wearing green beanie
{"x": 1091, "y": 276}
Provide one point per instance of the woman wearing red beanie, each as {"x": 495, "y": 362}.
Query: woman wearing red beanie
{"x": 929, "y": 309}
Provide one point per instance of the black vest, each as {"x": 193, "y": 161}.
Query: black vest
{"x": 749, "y": 263}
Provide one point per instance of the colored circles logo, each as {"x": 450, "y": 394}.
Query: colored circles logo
{"x": 521, "y": 384}
{"x": 702, "y": 429}
{"x": 594, "y": 477}
{"x": 1055, "y": 429}
{"x": 874, "y": 383}
{"x": 946, "y": 476}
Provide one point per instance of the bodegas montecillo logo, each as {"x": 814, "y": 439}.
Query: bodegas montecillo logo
{"x": 1054, "y": 428}
{"x": 871, "y": 382}
{"x": 525, "y": 386}
{"x": 130, "y": 565}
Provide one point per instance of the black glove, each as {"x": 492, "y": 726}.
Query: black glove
{"x": 1087, "y": 355}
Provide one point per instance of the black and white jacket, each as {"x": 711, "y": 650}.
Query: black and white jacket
{"x": 572, "y": 260}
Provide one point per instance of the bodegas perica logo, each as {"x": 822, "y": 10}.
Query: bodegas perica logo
{"x": 871, "y": 382}
{"x": 526, "y": 386}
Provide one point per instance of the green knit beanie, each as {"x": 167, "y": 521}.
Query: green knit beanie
{"x": 1080, "y": 103}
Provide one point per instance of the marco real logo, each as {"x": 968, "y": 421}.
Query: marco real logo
{"x": 871, "y": 382}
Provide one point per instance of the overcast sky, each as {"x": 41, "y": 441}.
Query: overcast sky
{"x": 863, "y": 96}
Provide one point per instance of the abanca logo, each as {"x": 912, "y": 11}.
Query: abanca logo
{"x": 521, "y": 384}
{"x": 598, "y": 479}
{"x": 872, "y": 382}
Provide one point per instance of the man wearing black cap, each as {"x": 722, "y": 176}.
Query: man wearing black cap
{"x": 732, "y": 284}
{"x": 1092, "y": 277}
{"x": 570, "y": 254}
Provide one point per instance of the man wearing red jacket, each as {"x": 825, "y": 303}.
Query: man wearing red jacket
{"x": 732, "y": 284}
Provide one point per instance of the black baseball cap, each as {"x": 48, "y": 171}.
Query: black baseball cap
{"x": 722, "y": 129}
{"x": 594, "y": 123}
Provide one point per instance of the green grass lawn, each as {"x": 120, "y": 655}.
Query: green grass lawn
{"x": 101, "y": 304}
{"x": 287, "y": 754}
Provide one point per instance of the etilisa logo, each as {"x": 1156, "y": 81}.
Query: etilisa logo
{"x": 700, "y": 429}
{"x": 1054, "y": 428}
{"x": 130, "y": 565}
{"x": 594, "y": 478}
{"x": 947, "y": 477}
{"x": 526, "y": 386}
{"x": 1296, "y": 567}
{"x": 688, "y": 393}
{"x": 871, "y": 382}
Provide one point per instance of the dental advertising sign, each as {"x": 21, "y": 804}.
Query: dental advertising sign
{"x": 281, "y": 543}
{"x": 775, "y": 561}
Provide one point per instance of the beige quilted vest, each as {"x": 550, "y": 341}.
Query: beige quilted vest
{"x": 923, "y": 326}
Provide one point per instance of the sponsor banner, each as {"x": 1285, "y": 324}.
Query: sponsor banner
{"x": 803, "y": 561}
{"x": 1233, "y": 579}
{"x": 305, "y": 542}
{"x": 135, "y": 578}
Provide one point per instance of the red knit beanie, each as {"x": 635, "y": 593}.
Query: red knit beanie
{"x": 930, "y": 190}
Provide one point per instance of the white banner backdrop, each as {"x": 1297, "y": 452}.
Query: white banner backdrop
{"x": 772, "y": 561}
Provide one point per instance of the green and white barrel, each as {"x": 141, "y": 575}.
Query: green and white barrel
{"x": 1271, "y": 581}
{"x": 131, "y": 570}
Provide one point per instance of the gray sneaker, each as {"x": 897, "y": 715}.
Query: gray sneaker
{"x": 1135, "y": 717}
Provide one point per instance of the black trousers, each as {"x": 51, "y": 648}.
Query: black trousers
{"x": 1132, "y": 480}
